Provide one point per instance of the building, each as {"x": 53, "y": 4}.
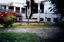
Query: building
{"x": 15, "y": 5}
{"x": 46, "y": 15}
{"x": 20, "y": 6}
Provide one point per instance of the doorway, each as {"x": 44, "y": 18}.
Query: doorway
{"x": 11, "y": 7}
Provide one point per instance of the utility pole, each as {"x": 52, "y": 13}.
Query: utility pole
{"x": 39, "y": 12}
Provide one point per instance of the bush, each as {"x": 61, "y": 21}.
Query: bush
{"x": 8, "y": 20}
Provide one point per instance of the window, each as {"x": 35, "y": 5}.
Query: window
{"x": 34, "y": 18}
{"x": 23, "y": 10}
{"x": 55, "y": 19}
{"x": 18, "y": 9}
{"x": 41, "y": 19}
{"x": 42, "y": 7}
{"x": 48, "y": 19}
{"x": 0, "y": 9}
{"x": 3, "y": 7}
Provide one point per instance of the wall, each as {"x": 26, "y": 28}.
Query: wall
{"x": 45, "y": 16}
{"x": 47, "y": 5}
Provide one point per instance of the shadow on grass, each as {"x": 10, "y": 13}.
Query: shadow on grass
{"x": 60, "y": 34}
{"x": 22, "y": 37}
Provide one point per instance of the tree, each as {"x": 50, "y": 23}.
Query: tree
{"x": 34, "y": 7}
{"x": 59, "y": 5}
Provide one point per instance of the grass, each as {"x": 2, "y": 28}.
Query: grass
{"x": 29, "y": 26}
{"x": 21, "y": 37}
{"x": 34, "y": 26}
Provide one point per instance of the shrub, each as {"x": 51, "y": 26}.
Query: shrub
{"x": 8, "y": 20}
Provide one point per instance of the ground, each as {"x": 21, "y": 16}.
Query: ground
{"x": 44, "y": 33}
{"x": 41, "y": 32}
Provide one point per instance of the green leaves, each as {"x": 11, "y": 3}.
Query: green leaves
{"x": 9, "y": 21}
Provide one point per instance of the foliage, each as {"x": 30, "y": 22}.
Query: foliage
{"x": 8, "y": 19}
{"x": 59, "y": 6}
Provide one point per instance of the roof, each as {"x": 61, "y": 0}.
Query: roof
{"x": 17, "y": 3}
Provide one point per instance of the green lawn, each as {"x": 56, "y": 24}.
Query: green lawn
{"x": 33, "y": 26}
{"x": 29, "y": 26}
{"x": 21, "y": 37}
